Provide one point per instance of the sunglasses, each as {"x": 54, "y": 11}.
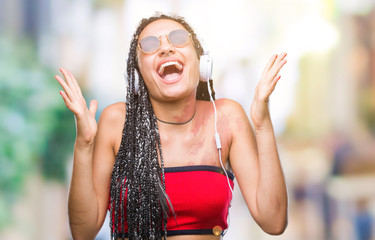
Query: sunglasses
{"x": 178, "y": 38}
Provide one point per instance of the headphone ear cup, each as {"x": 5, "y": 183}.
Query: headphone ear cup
{"x": 205, "y": 68}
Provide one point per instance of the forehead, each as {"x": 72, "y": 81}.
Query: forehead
{"x": 160, "y": 27}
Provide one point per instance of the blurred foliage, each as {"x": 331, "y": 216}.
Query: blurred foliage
{"x": 36, "y": 130}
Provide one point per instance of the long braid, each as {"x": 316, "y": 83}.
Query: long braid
{"x": 137, "y": 176}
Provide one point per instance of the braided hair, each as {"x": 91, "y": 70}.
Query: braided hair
{"x": 138, "y": 182}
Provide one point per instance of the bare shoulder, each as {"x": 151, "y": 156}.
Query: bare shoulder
{"x": 227, "y": 109}
{"x": 114, "y": 113}
{"x": 229, "y": 106}
{"x": 233, "y": 114}
{"x": 111, "y": 123}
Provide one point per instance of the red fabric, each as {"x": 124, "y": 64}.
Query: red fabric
{"x": 200, "y": 199}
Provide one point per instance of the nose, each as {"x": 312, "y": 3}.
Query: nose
{"x": 166, "y": 48}
{"x": 167, "y": 53}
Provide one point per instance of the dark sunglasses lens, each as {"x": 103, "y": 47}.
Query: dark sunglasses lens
{"x": 149, "y": 44}
{"x": 179, "y": 37}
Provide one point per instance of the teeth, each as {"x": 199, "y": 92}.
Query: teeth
{"x": 177, "y": 64}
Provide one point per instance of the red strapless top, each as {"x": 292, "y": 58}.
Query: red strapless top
{"x": 201, "y": 198}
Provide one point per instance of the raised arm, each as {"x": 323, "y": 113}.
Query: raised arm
{"x": 93, "y": 161}
{"x": 254, "y": 157}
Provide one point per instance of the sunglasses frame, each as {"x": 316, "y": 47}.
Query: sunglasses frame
{"x": 167, "y": 35}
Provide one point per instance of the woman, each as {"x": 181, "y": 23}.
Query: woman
{"x": 153, "y": 162}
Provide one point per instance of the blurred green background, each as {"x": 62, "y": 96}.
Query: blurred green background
{"x": 323, "y": 108}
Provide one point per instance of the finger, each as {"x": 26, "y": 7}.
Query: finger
{"x": 281, "y": 56}
{"x": 66, "y": 100}
{"x": 74, "y": 81}
{"x": 277, "y": 68}
{"x": 281, "y": 64}
{"x": 69, "y": 80}
{"x": 275, "y": 80}
{"x": 268, "y": 90}
{"x": 273, "y": 84}
{"x": 93, "y": 107}
{"x": 70, "y": 105}
{"x": 67, "y": 89}
{"x": 269, "y": 64}
{"x": 66, "y": 76}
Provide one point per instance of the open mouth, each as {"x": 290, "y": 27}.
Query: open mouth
{"x": 170, "y": 70}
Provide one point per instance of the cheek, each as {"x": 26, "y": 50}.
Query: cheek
{"x": 194, "y": 71}
{"x": 142, "y": 64}
{"x": 145, "y": 68}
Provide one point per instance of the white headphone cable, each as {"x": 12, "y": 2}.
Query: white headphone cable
{"x": 218, "y": 145}
{"x": 217, "y": 137}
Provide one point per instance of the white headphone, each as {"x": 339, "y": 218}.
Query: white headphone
{"x": 205, "y": 64}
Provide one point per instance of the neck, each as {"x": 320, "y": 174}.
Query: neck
{"x": 175, "y": 112}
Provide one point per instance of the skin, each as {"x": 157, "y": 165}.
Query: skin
{"x": 252, "y": 150}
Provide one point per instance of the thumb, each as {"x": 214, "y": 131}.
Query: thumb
{"x": 93, "y": 107}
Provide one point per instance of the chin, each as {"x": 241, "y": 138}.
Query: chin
{"x": 175, "y": 95}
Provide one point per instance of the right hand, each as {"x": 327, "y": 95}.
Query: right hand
{"x": 85, "y": 117}
{"x": 259, "y": 111}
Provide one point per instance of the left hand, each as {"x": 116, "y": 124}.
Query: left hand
{"x": 259, "y": 108}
